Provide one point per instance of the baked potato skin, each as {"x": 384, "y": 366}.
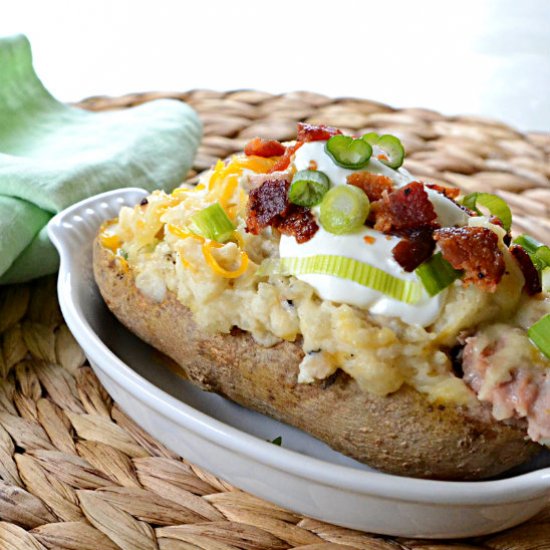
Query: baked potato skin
{"x": 402, "y": 433}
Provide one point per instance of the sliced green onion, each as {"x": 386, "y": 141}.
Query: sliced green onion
{"x": 278, "y": 441}
{"x": 539, "y": 334}
{"x": 496, "y": 206}
{"x": 437, "y": 274}
{"x": 538, "y": 252}
{"x": 530, "y": 244}
{"x": 543, "y": 254}
{"x": 348, "y": 152}
{"x": 390, "y": 146}
{"x": 539, "y": 265}
{"x": 344, "y": 209}
{"x": 394, "y": 150}
{"x": 122, "y": 253}
{"x": 371, "y": 138}
{"x": 308, "y": 187}
{"x": 213, "y": 223}
{"x": 346, "y": 268}
{"x": 545, "y": 279}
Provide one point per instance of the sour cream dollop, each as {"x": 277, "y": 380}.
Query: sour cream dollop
{"x": 376, "y": 250}
{"x": 378, "y": 254}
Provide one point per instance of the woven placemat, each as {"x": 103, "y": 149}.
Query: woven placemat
{"x": 77, "y": 474}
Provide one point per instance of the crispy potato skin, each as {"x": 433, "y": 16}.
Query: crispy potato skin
{"x": 402, "y": 433}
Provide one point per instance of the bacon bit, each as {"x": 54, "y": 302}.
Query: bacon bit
{"x": 313, "y": 132}
{"x": 415, "y": 249}
{"x": 264, "y": 148}
{"x": 284, "y": 162}
{"x": 312, "y": 165}
{"x": 403, "y": 210}
{"x": 381, "y": 156}
{"x": 269, "y": 205}
{"x": 476, "y": 251}
{"x": 373, "y": 185}
{"x": 265, "y": 203}
{"x": 254, "y": 181}
{"x": 369, "y": 239}
{"x": 531, "y": 275}
{"x": 299, "y": 222}
{"x": 449, "y": 192}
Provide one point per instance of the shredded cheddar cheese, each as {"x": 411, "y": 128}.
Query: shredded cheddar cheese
{"x": 215, "y": 266}
{"x": 112, "y": 242}
{"x": 207, "y": 247}
{"x": 110, "y": 239}
{"x": 123, "y": 264}
{"x": 228, "y": 191}
{"x": 187, "y": 264}
{"x": 239, "y": 238}
{"x": 181, "y": 190}
{"x": 224, "y": 181}
{"x": 179, "y": 232}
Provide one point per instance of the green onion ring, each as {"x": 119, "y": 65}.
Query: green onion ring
{"x": 348, "y": 152}
{"x": 495, "y": 204}
{"x": 390, "y": 145}
{"x": 344, "y": 209}
{"x": 308, "y": 187}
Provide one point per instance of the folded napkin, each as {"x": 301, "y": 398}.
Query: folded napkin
{"x": 53, "y": 155}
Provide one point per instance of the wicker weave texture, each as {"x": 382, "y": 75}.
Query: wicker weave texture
{"x": 77, "y": 474}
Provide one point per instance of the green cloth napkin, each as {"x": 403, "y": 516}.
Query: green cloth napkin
{"x": 53, "y": 155}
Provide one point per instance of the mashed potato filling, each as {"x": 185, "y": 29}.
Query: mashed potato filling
{"x": 380, "y": 352}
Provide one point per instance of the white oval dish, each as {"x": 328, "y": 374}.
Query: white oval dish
{"x": 303, "y": 475}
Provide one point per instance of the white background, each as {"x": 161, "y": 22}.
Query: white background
{"x": 485, "y": 57}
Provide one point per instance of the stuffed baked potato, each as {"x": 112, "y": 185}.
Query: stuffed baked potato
{"x": 322, "y": 285}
